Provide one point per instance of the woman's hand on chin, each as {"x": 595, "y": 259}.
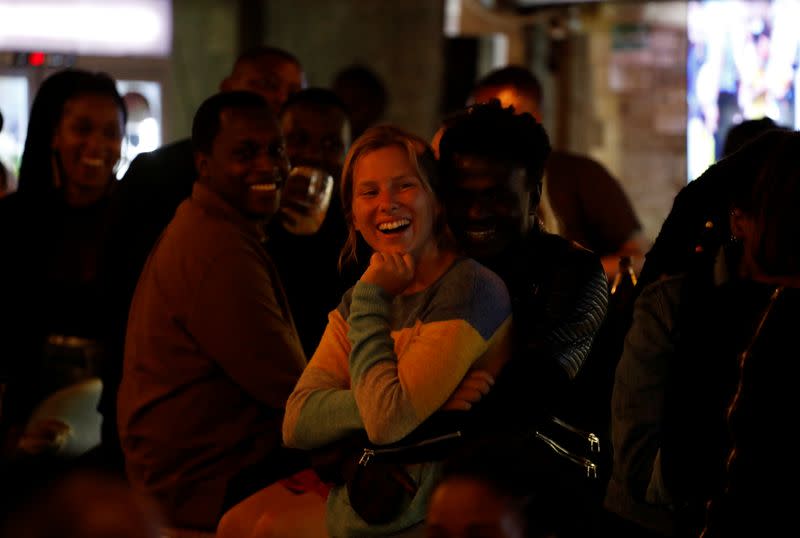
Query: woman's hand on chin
{"x": 391, "y": 271}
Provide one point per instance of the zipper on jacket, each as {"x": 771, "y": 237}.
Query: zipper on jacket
{"x": 588, "y": 465}
{"x": 592, "y": 439}
{"x": 370, "y": 453}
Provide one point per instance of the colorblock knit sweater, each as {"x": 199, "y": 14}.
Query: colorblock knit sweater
{"x": 386, "y": 364}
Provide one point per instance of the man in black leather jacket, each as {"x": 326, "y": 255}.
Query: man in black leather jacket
{"x": 492, "y": 162}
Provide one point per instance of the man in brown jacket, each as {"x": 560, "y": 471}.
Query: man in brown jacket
{"x": 211, "y": 351}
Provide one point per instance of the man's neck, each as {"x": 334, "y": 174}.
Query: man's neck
{"x": 506, "y": 262}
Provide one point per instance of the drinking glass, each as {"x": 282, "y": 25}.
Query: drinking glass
{"x": 305, "y": 199}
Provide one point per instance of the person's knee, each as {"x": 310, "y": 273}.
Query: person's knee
{"x": 232, "y": 525}
{"x": 303, "y": 517}
{"x": 266, "y": 527}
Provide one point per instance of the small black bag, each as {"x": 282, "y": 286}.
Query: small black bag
{"x": 378, "y": 485}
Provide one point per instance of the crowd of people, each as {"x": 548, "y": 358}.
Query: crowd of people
{"x": 428, "y": 359}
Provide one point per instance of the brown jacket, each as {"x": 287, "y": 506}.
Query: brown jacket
{"x": 211, "y": 356}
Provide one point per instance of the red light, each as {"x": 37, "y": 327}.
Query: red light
{"x": 36, "y": 59}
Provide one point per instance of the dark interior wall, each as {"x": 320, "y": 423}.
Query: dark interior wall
{"x": 625, "y": 108}
{"x": 205, "y": 45}
{"x": 401, "y": 41}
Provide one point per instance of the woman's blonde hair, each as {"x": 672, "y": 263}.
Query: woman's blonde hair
{"x": 421, "y": 157}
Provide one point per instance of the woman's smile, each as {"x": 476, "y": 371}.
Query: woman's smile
{"x": 391, "y": 208}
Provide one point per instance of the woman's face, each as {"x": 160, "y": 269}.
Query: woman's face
{"x": 87, "y": 142}
{"x": 392, "y": 210}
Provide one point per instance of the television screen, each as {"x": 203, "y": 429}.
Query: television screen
{"x": 742, "y": 64}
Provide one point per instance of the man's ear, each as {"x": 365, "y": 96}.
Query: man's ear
{"x": 738, "y": 223}
{"x": 201, "y": 163}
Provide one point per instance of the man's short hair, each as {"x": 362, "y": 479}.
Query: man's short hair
{"x": 207, "y": 119}
{"x": 320, "y": 97}
{"x": 488, "y": 130}
{"x": 263, "y": 51}
{"x": 364, "y": 78}
{"x": 741, "y": 133}
{"x": 516, "y": 76}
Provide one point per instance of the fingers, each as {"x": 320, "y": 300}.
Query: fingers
{"x": 479, "y": 387}
{"x": 475, "y": 385}
{"x": 463, "y": 399}
{"x": 401, "y": 264}
{"x": 391, "y": 271}
{"x": 456, "y": 405}
{"x": 408, "y": 260}
{"x": 478, "y": 380}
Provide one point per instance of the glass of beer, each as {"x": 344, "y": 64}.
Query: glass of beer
{"x": 305, "y": 199}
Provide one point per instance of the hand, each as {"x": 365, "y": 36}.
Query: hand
{"x": 471, "y": 390}
{"x": 300, "y": 218}
{"x": 45, "y": 435}
{"x": 391, "y": 271}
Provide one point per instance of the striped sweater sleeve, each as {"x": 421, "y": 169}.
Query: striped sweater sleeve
{"x": 395, "y": 394}
{"x": 321, "y": 408}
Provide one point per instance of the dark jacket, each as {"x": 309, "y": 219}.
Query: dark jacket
{"x": 559, "y": 296}
{"x": 51, "y": 287}
{"x": 700, "y": 427}
{"x": 143, "y": 204}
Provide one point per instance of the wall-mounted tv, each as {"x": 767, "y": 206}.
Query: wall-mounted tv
{"x": 742, "y": 64}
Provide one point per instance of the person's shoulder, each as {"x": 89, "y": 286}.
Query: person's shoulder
{"x": 174, "y": 158}
{"x": 558, "y": 266}
{"x": 343, "y": 308}
{"x": 574, "y": 161}
{"x": 710, "y": 188}
{"x": 198, "y": 243}
{"x": 667, "y": 294}
{"x": 473, "y": 293}
{"x": 15, "y": 207}
{"x": 193, "y": 225}
{"x": 469, "y": 274}
{"x": 668, "y": 286}
{"x": 9, "y": 202}
{"x": 557, "y": 251}
{"x": 169, "y": 151}
{"x": 158, "y": 180}
{"x": 469, "y": 268}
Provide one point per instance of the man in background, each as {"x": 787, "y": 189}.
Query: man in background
{"x": 589, "y": 202}
{"x": 317, "y": 130}
{"x": 364, "y": 94}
